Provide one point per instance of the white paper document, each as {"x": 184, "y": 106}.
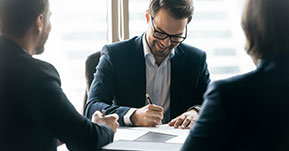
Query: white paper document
{"x": 128, "y": 134}
{"x": 133, "y": 133}
{"x": 165, "y": 128}
{"x": 179, "y": 139}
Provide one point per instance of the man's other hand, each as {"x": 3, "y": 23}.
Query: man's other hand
{"x": 186, "y": 120}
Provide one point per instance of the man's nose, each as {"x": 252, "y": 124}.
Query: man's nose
{"x": 167, "y": 42}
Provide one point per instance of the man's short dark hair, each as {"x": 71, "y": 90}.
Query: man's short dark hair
{"x": 18, "y": 15}
{"x": 179, "y": 9}
{"x": 266, "y": 25}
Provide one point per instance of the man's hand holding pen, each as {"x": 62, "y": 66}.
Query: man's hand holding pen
{"x": 149, "y": 115}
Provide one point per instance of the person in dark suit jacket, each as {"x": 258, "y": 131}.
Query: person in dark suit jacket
{"x": 174, "y": 74}
{"x": 250, "y": 112}
{"x": 34, "y": 111}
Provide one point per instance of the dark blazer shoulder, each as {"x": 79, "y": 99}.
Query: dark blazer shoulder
{"x": 121, "y": 53}
{"x": 236, "y": 87}
{"x": 191, "y": 50}
{"x": 121, "y": 46}
{"x": 37, "y": 70}
{"x": 236, "y": 80}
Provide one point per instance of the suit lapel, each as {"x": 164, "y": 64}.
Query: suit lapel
{"x": 138, "y": 67}
{"x": 178, "y": 65}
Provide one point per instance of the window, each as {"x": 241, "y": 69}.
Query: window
{"x": 137, "y": 19}
{"x": 216, "y": 28}
{"x": 79, "y": 28}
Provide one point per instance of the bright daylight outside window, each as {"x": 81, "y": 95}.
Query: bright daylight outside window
{"x": 215, "y": 28}
{"x": 79, "y": 28}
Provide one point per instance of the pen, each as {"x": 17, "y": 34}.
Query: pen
{"x": 103, "y": 112}
{"x": 148, "y": 99}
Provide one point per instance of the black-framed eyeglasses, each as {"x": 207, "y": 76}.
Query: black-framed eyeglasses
{"x": 162, "y": 35}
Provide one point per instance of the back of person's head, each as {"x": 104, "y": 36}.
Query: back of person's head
{"x": 16, "y": 16}
{"x": 266, "y": 26}
{"x": 179, "y": 9}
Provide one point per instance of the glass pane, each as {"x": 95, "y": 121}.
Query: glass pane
{"x": 79, "y": 28}
{"x": 137, "y": 18}
{"x": 215, "y": 28}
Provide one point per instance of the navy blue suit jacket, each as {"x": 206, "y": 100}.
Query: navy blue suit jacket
{"x": 120, "y": 80}
{"x": 34, "y": 111}
{"x": 249, "y": 112}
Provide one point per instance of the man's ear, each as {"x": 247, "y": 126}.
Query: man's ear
{"x": 148, "y": 16}
{"x": 39, "y": 23}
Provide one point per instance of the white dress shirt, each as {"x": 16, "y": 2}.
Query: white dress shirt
{"x": 158, "y": 81}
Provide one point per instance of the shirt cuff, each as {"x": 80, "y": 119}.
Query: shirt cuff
{"x": 126, "y": 117}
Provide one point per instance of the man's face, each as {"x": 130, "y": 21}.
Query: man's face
{"x": 45, "y": 32}
{"x": 164, "y": 23}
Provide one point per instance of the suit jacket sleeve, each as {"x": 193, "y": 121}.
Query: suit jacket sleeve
{"x": 204, "y": 80}
{"x": 62, "y": 120}
{"x": 102, "y": 90}
{"x": 209, "y": 131}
